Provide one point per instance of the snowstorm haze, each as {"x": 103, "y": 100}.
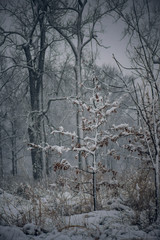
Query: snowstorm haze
{"x": 79, "y": 119}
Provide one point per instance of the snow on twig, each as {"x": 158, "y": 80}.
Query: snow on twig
{"x": 111, "y": 110}
{"x": 61, "y": 130}
{"x": 59, "y": 149}
{"x": 120, "y": 126}
{"x": 83, "y": 149}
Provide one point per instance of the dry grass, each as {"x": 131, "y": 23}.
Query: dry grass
{"x": 47, "y": 203}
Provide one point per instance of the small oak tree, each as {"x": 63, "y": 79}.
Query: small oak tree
{"x": 96, "y": 111}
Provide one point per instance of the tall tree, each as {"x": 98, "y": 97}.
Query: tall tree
{"x": 142, "y": 21}
{"x": 27, "y": 36}
{"x": 79, "y": 28}
{"x": 1, "y": 154}
{"x": 11, "y": 110}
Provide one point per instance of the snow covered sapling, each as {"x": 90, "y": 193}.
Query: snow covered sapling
{"x": 96, "y": 110}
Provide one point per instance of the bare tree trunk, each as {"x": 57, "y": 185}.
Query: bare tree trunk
{"x": 36, "y": 92}
{"x": 77, "y": 49}
{"x": 35, "y": 128}
{"x": 36, "y": 154}
{"x": 1, "y": 155}
{"x": 94, "y": 192}
{"x": 157, "y": 180}
{"x": 13, "y": 146}
{"x": 29, "y": 35}
{"x": 157, "y": 152}
{"x": 78, "y": 78}
{"x": 157, "y": 188}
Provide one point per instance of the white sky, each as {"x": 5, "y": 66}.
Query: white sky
{"x": 113, "y": 37}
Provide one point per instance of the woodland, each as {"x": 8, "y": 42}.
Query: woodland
{"x": 79, "y": 141}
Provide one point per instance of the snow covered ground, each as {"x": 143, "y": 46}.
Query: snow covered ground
{"x": 95, "y": 225}
{"x": 114, "y": 223}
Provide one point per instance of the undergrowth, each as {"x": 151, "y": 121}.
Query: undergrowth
{"x": 47, "y": 203}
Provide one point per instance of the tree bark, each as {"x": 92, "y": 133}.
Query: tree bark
{"x": 1, "y": 155}
{"x": 36, "y": 154}
{"x": 157, "y": 188}
{"x": 35, "y": 128}
{"x": 14, "y": 154}
{"x": 78, "y": 78}
{"x": 94, "y": 192}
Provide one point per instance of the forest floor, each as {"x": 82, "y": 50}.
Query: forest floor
{"x": 42, "y": 218}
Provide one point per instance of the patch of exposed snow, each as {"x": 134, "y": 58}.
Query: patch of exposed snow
{"x": 11, "y": 233}
{"x": 113, "y": 223}
{"x": 11, "y": 207}
{"x": 31, "y": 229}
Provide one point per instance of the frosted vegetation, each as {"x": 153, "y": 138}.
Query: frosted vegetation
{"x": 79, "y": 142}
{"x": 59, "y": 211}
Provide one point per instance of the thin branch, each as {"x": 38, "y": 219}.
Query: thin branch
{"x": 56, "y": 99}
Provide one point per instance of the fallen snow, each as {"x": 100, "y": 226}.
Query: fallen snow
{"x": 31, "y": 229}
{"x": 99, "y": 224}
{"x": 116, "y": 222}
{"x": 11, "y": 233}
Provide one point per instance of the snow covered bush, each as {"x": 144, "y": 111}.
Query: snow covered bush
{"x": 140, "y": 195}
{"x": 38, "y": 208}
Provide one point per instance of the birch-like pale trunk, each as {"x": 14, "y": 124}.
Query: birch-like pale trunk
{"x": 78, "y": 78}
{"x": 94, "y": 156}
